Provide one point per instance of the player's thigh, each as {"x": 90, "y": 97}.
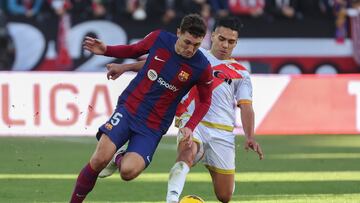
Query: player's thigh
{"x": 104, "y": 151}
{"x": 219, "y": 153}
{"x": 223, "y": 184}
{"x": 142, "y": 144}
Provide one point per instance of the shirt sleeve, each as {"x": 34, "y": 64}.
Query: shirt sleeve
{"x": 205, "y": 93}
{"x": 134, "y": 50}
{"x": 244, "y": 90}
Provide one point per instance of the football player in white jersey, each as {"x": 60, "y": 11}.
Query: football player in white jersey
{"x": 213, "y": 140}
{"x": 214, "y": 137}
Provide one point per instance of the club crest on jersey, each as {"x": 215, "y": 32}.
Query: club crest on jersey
{"x": 183, "y": 76}
{"x": 108, "y": 126}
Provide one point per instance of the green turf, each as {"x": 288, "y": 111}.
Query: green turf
{"x": 295, "y": 169}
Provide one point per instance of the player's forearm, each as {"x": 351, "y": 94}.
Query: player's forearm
{"x": 137, "y": 66}
{"x": 247, "y": 119}
{"x": 134, "y": 50}
{"x": 201, "y": 108}
{"x": 124, "y": 51}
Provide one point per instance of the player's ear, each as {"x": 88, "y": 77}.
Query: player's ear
{"x": 178, "y": 32}
{"x": 212, "y": 36}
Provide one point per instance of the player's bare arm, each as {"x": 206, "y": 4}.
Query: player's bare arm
{"x": 247, "y": 119}
{"x": 94, "y": 45}
{"x": 115, "y": 70}
{"x": 205, "y": 93}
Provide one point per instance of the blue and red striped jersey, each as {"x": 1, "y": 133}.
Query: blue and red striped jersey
{"x": 153, "y": 95}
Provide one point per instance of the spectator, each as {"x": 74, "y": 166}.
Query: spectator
{"x": 253, "y": 8}
{"x": 164, "y": 8}
{"x": 137, "y": 9}
{"x": 3, "y": 6}
{"x": 63, "y": 60}
{"x": 326, "y": 7}
{"x": 79, "y": 10}
{"x": 355, "y": 4}
{"x": 200, "y": 7}
{"x": 99, "y": 9}
{"x": 7, "y": 50}
{"x": 286, "y": 9}
{"x": 220, "y": 8}
{"x": 28, "y": 8}
{"x": 341, "y": 24}
{"x": 313, "y": 8}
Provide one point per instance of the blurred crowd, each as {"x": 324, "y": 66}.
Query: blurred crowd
{"x": 168, "y": 11}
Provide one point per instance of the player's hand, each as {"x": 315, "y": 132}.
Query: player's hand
{"x": 94, "y": 45}
{"x": 115, "y": 70}
{"x": 252, "y": 144}
{"x": 187, "y": 135}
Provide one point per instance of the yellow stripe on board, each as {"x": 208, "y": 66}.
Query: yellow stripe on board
{"x": 205, "y": 177}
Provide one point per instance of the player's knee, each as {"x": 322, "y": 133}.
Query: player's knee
{"x": 128, "y": 173}
{"x": 224, "y": 197}
{"x": 98, "y": 163}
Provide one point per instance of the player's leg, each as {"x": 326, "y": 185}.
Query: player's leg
{"x": 112, "y": 135}
{"x": 132, "y": 164}
{"x": 223, "y": 185}
{"x": 114, "y": 164}
{"x": 139, "y": 153}
{"x": 219, "y": 158}
{"x": 186, "y": 158}
{"x": 86, "y": 180}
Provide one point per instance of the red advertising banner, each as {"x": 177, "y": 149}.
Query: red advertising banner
{"x": 315, "y": 105}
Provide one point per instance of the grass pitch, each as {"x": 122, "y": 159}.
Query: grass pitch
{"x": 295, "y": 169}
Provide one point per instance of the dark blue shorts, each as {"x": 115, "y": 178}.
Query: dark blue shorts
{"x": 122, "y": 127}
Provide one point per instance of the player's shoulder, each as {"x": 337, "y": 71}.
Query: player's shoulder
{"x": 166, "y": 38}
{"x": 200, "y": 58}
{"x": 237, "y": 65}
{"x": 165, "y": 34}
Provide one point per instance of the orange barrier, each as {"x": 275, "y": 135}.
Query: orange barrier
{"x": 315, "y": 105}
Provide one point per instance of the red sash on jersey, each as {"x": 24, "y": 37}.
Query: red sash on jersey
{"x": 222, "y": 73}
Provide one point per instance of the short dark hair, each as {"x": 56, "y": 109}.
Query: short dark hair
{"x": 230, "y": 22}
{"x": 194, "y": 25}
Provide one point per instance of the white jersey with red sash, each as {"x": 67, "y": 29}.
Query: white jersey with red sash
{"x": 231, "y": 86}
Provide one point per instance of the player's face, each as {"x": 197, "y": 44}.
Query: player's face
{"x": 223, "y": 42}
{"x": 187, "y": 44}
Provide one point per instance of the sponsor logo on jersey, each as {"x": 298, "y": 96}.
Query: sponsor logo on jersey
{"x": 152, "y": 75}
{"x": 222, "y": 76}
{"x": 183, "y": 76}
{"x": 167, "y": 85}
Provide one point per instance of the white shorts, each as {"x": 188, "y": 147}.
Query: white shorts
{"x": 217, "y": 148}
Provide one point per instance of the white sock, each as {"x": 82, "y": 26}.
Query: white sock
{"x": 176, "y": 181}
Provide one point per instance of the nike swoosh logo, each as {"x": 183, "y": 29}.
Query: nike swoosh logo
{"x": 81, "y": 196}
{"x": 159, "y": 59}
{"x": 209, "y": 82}
{"x": 148, "y": 158}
